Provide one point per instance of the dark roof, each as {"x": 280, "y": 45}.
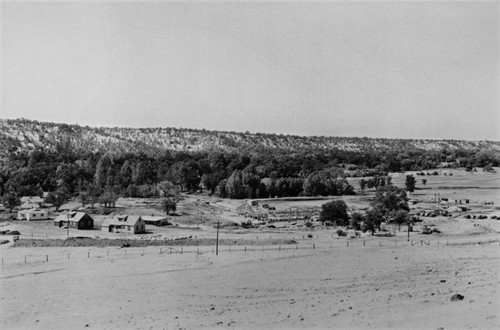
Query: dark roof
{"x": 73, "y": 216}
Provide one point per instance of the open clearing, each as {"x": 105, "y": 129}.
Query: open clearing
{"x": 354, "y": 288}
{"x": 320, "y": 280}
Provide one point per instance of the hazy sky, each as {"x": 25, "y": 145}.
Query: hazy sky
{"x": 386, "y": 69}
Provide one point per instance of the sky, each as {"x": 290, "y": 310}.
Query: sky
{"x": 416, "y": 70}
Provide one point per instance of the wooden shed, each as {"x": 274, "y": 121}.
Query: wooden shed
{"x": 76, "y": 220}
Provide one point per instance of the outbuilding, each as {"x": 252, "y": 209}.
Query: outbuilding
{"x": 76, "y": 220}
{"x": 155, "y": 220}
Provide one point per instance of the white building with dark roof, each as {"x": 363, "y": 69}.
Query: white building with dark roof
{"x": 132, "y": 224}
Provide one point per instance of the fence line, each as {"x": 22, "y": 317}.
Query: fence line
{"x": 168, "y": 250}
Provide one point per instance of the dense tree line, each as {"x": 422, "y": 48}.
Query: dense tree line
{"x": 234, "y": 174}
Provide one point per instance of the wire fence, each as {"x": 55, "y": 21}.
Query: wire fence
{"x": 79, "y": 254}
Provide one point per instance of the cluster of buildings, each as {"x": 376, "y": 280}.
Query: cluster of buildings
{"x": 32, "y": 209}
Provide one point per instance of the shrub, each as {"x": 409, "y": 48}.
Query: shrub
{"x": 384, "y": 234}
{"x": 340, "y": 233}
{"x": 309, "y": 235}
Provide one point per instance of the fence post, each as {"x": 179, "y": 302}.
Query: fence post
{"x": 331, "y": 245}
{"x": 107, "y": 253}
{"x": 181, "y": 250}
{"x": 125, "y": 251}
{"x": 364, "y": 243}
{"x": 2, "y": 261}
{"x": 245, "y": 249}
{"x": 438, "y": 242}
{"x": 68, "y": 256}
{"x": 296, "y": 247}
{"x": 88, "y": 254}
{"x": 314, "y": 246}
{"x": 279, "y": 248}
{"x": 47, "y": 258}
{"x": 24, "y": 259}
{"x": 379, "y": 243}
{"x": 347, "y": 243}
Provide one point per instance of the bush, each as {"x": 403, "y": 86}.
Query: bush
{"x": 340, "y": 233}
{"x": 384, "y": 234}
{"x": 309, "y": 235}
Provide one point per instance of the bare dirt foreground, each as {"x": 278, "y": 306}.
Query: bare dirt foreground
{"x": 342, "y": 288}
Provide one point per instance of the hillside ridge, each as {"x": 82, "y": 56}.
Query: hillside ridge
{"x": 23, "y": 135}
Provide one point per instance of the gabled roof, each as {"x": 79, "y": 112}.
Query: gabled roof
{"x": 73, "y": 217}
{"x": 122, "y": 220}
{"x": 33, "y": 199}
{"x": 29, "y": 205}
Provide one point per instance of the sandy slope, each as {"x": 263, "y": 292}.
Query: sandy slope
{"x": 357, "y": 288}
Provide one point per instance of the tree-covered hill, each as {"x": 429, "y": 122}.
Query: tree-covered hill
{"x": 21, "y": 135}
{"x": 102, "y": 163}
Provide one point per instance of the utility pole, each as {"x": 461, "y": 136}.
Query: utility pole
{"x": 217, "y": 240}
{"x": 408, "y": 230}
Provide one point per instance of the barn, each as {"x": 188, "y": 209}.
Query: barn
{"x": 77, "y": 220}
{"x": 133, "y": 224}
